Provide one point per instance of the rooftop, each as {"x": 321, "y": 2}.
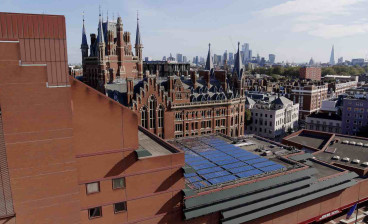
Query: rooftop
{"x": 333, "y": 148}
{"x": 247, "y": 188}
{"x": 152, "y": 145}
{"x": 217, "y": 161}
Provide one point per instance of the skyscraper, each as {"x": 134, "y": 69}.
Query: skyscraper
{"x": 332, "y": 58}
{"x": 179, "y": 58}
{"x": 245, "y": 49}
{"x": 272, "y": 58}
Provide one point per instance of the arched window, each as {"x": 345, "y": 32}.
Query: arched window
{"x": 144, "y": 117}
{"x": 152, "y": 114}
{"x": 160, "y": 117}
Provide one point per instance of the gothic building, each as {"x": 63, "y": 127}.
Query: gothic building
{"x": 110, "y": 54}
{"x": 195, "y": 104}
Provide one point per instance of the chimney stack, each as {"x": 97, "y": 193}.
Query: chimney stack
{"x": 193, "y": 77}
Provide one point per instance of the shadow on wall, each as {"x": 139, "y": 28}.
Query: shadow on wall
{"x": 169, "y": 181}
{"x": 173, "y": 204}
{"x": 122, "y": 165}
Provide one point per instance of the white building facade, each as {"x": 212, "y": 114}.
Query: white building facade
{"x": 272, "y": 119}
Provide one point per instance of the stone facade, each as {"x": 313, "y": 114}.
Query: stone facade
{"x": 327, "y": 122}
{"x": 272, "y": 118}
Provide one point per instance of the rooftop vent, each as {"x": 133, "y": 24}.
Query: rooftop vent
{"x": 345, "y": 159}
{"x": 336, "y": 157}
{"x": 355, "y": 161}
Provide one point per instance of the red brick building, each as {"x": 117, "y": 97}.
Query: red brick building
{"x": 61, "y": 161}
{"x": 309, "y": 96}
{"x": 110, "y": 54}
{"x": 196, "y": 104}
{"x": 69, "y": 154}
{"x": 312, "y": 73}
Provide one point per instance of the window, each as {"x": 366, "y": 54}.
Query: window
{"x": 95, "y": 212}
{"x": 152, "y": 116}
{"x": 118, "y": 183}
{"x": 120, "y": 207}
{"x": 178, "y": 127}
{"x": 160, "y": 117}
{"x": 144, "y": 117}
{"x": 93, "y": 187}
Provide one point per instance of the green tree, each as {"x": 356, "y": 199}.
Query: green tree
{"x": 248, "y": 117}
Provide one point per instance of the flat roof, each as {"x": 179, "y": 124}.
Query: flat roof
{"x": 152, "y": 146}
{"x": 353, "y": 152}
{"x": 310, "y": 140}
{"x": 217, "y": 161}
{"x": 343, "y": 146}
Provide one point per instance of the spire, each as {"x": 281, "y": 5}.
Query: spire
{"x": 84, "y": 36}
{"x": 100, "y": 36}
{"x": 209, "y": 62}
{"x": 238, "y": 65}
{"x": 138, "y": 34}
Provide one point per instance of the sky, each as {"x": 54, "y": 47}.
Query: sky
{"x": 294, "y": 30}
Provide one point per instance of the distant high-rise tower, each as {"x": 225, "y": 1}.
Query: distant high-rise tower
{"x": 311, "y": 61}
{"x": 332, "y": 58}
{"x": 209, "y": 63}
{"x": 271, "y": 58}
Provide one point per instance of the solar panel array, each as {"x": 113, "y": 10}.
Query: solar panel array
{"x": 217, "y": 161}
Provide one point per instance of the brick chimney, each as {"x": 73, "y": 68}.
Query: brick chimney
{"x": 193, "y": 77}
{"x": 206, "y": 77}
{"x": 221, "y": 76}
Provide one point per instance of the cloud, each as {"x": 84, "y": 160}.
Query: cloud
{"x": 320, "y": 18}
{"x": 311, "y": 7}
{"x": 329, "y": 31}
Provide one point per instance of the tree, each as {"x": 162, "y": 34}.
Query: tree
{"x": 248, "y": 117}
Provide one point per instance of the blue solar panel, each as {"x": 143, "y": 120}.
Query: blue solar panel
{"x": 216, "y": 161}
{"x": 194, "y": 179}
{"x": 214, "y": 175}
{"x": 210, "y": 170}
{"x": 189, "y": 175}
{"x": 233, "y": 165}
{"x": 201, "y": 184}
{"x": 241, "y": 169}
{"x": 203, "y": 166}
{"x": 248, "y": 157}
{"x": 249, "y": 173}
{"x": 264, "y": 164}
{"x": 230, "y": 160}
{"x": 223, "y": 179}
{"x": 271, "y": 168}
{"x": 258, "y": 160}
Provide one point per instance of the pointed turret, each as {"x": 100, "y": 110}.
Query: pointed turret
{"x": 100, "y": 36}
{"x": 84, "y": 45}
{"x": 138, "y": 50}
{"x": 209, "y": 63}
{"x": 138, "y": 34}
{"x": 238, "y": 65}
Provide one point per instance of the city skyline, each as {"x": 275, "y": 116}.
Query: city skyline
{"x": 270, "y": 27}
